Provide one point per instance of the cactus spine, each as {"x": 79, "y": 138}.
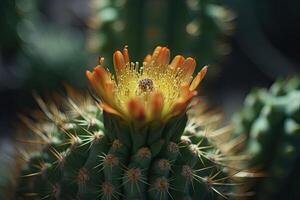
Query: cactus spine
{"x": 271, "y": 121}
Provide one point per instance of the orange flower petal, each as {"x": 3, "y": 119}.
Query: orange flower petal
{"x": 136, "y": 109}
{"x": 188, "y": 69}
{"x": 89, "y": 75}
{"x": 163, "y": 57}
{"x": 119, "y": 61}
{"x": 101, "y": 74}
{"x": 182, "y": 103}
{"x": 177, "y": 62}
{"x": 187, "y": 94}
{"x": 156, "y": 52}
{"x": 101, "y": 81}
{"x": 195, "y": 83}
{"x": 95, "y": 84}
{"x": 157, "y": 103}
{"x": 109, "y": 91}
{"x": 109, "y": 109}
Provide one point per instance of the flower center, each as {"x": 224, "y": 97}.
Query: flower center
{"x": 146, "y": 85}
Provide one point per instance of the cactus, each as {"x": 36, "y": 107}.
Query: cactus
{"x": 271, "y": 121}
{"x": 137, "y": 141}
{"x": 199, "y": 27}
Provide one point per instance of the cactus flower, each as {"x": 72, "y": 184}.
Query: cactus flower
{"x": 158, "y": 89}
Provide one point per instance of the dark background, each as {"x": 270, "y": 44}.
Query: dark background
{"x": 50, "y": 45}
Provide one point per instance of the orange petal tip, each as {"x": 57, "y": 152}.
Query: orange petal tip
{"x": 88, "y": 74}
{"x": 177, "y": 62}
{"x": 163, "y": 57}
{"x": 195, "y": 83}
{"x": 148, "y": 58}
{"x": 119, "y": 61}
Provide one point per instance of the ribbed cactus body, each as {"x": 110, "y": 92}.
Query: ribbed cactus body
{"x": 271, "y": 120}
{"x": 88, "y": 154}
